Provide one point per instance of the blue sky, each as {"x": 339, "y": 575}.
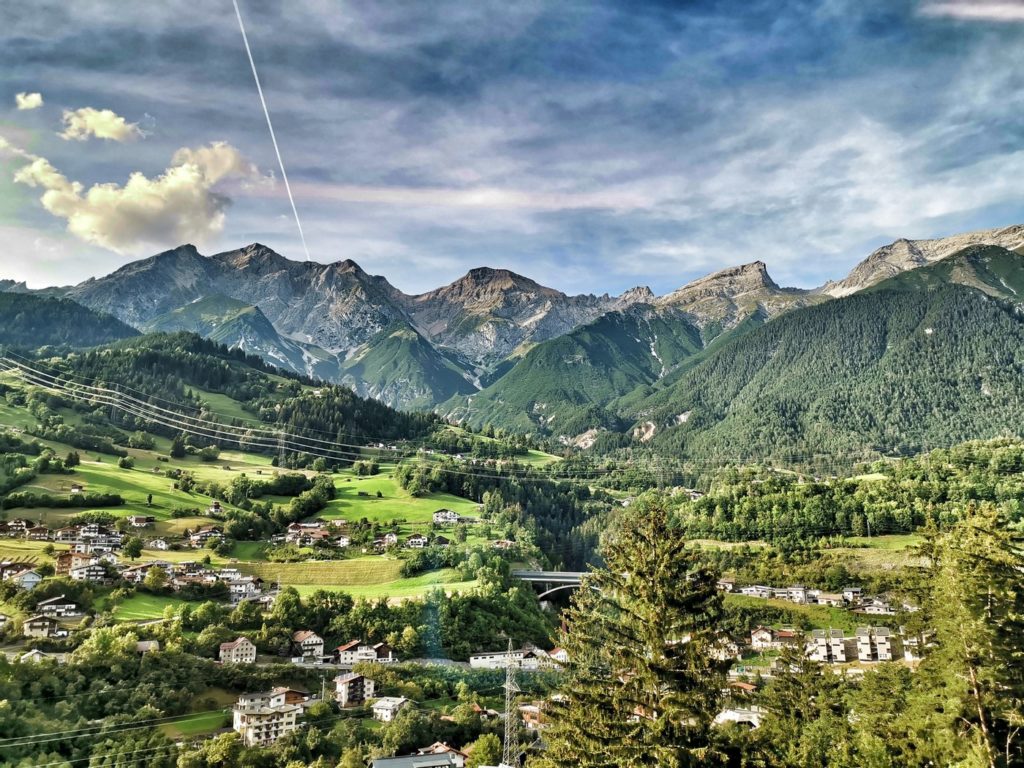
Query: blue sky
{"x": 590, "y": 145}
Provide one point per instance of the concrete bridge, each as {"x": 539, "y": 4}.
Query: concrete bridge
{"x": 550, "y": 581}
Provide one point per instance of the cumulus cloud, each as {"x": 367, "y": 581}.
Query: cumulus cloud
{"x": 26, "y": 101}
{"x": 81, "y": 124}
{"x": 976, "y": 11}
{"x": 179, "y": 205}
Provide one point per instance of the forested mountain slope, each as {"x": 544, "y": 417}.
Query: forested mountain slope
{"x": 29, "y": 322}
{"x": 920, "y": 360}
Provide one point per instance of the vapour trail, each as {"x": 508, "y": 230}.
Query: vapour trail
{"x": 270, "y": 126}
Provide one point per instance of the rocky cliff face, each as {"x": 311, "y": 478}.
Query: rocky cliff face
{"x": 903, "y": 255}
{"x": 487, "y": 314}
{"x": 723, "y": 299}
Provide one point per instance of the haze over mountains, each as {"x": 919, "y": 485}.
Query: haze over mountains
{"x": 498, "y": 347}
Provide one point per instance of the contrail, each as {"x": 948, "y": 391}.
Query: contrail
{"x": 270, "y": 126}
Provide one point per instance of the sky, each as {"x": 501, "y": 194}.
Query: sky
{"x": 592, "y": 146}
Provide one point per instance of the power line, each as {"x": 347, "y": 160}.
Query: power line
{"x": 270, "y": 127}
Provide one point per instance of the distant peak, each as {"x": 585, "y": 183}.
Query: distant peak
{"x": 738, "y": 279}
{"x": 640, "y": 294}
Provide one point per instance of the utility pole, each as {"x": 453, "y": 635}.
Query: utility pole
{"x": 510, "y": 753}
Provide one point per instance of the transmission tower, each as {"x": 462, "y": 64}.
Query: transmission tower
{"x": 510, "y": 753}
{"x": 280, "y": 449}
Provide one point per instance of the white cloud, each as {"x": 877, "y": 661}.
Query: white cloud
{"x": 80, "y": 124}
{"x": 976, "y": 11}
{"x": 26, "y": 101}
{"x": 180, "y": 205}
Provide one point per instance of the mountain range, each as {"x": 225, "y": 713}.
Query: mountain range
{"x": 497, "y": 347}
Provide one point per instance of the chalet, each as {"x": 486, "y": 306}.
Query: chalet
{"x": 244, "y": 588}
{"x": 390, "y": 539}
{"x": 39, "y": 626}
{"x": 214, "y": 509}
{"x": 63, "y": 562}
{"x": 342, "y": 541}
{"x": 830, "y": 598}
{"x": 441, "y": 541}
{"x": 158, "y": 544}
{"x": 66, "y": 535}
{"x": 852, "y": 595}
{"x": 356, "y": 651}
{"x": 417, "y": 541}
{"x": 238, "y": 651}
{"x": 352, "y": 690}
{"x": 873, "y": 644}
{"x": 758, "y": 590}
{"x": 560, "y": 655}
{"x": 827, "y": 646}
{"x": 94, "y": 572}
{"x": 57, "y": 607}
{"x": 262, "y": 719}
{"x": 726, "y": 585}
{"x": 38, "y": 533}
{"x": 385, "y": 709}
{"x": 229, "y": 574}
{"x": 766, "y": 638}
{"x": 308, "y": 645}
{"x": 875, "y": 606}
{"x": 147, "y": 646}
{"x": 440, "y": 748}
{"x": 140, "y": 521}
{"x": 203, "y": 534}
{"x": 504, "y": 544}
{"x": 35, "y": 656}
{"x": 77, "y": 488}
{"x": 26, "y": 579}
{"x": 446, "y": 516}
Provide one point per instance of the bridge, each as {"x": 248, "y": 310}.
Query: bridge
{"x": 550, "y": 581}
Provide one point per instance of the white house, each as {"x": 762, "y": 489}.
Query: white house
{"x": 417, "y": 541}
{"x": 385, "y": 709}
{"x": 238, "y": 651}
{"x": 158, "y": 544}
{"x": 309, "y": 645}
{"x": 57, "y": 607}
{"x": 446, "y": 516}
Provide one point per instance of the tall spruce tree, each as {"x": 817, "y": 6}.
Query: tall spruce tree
{"x": 643, "y": 682}
{"x": 972, "y": 678}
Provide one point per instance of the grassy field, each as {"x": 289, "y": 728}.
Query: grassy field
{"x": 891, "y": 543}
{"x": 395, "y": 503}
{"x": 198, "y": 724}
{"x": 362, "y": 571}
{"x": 357, "y": 498}
{"x": 141, "y": 607}
{"x": 400, "y": 589}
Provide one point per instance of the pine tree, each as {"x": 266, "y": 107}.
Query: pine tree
{"x": 973, "y": 677}
{"x": 643, "y": 683}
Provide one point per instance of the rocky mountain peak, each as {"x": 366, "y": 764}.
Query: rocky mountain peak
{"x": 640, "y": 294}
{"x": 729, "y": 282}
{"x": 903, "y": 254}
